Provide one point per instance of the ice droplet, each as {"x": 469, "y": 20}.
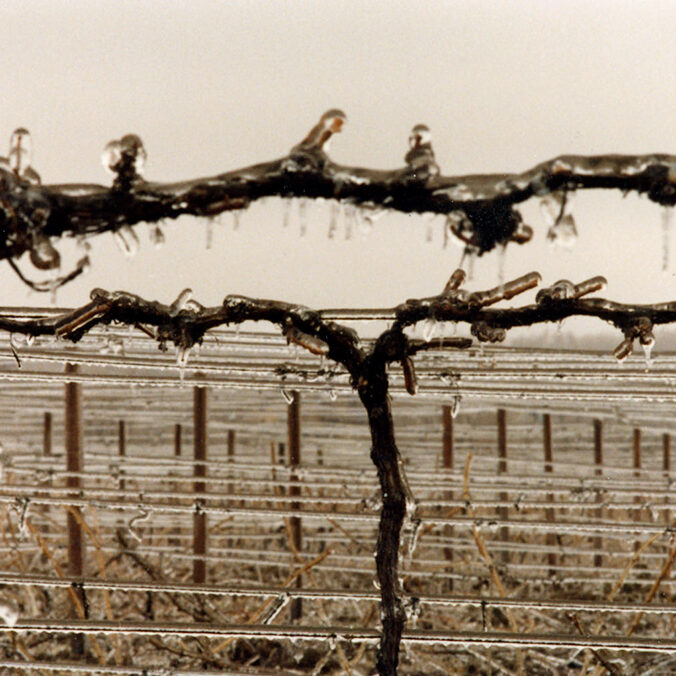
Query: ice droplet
{"x": 667, "y": 221}
{"x": 132, "y": 146}
{"x": 111, "y": 156}
{"x": 180, "y": 302}
{"x": 564, "y": 232}
{"x": 455, "y": 406}
{"x": 157, "y": 236}
{"x": 126, "y": 240}
{"x": 429, "y": 328}
{"x": 647, "y": 351}
{"x": 8, "y": 615}
{"x": 43, "y": 255}
{"x": 20, "y": 151}
{"x": 288, "y": 396}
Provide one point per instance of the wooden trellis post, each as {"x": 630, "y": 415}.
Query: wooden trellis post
{"x": 636, "y": 453}
{"x": 549, "y": 512}
{"x": 295, "y": 526}
{"x": 666, "y": 467}
{"x": 502, "y": 469}
{"x": 47, "y": 434}
{"x": 47, "y": 447}
{"x": 447, "y": 462}
{"x": 597, "y": 542}
{"x": 74, "y": 465}
{"x": 121, "y": 450}
{"x": 199, "y": 471}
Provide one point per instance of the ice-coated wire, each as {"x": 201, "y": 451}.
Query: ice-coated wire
{"x": 334, "y": 594}
{"x": 312, "y": 633}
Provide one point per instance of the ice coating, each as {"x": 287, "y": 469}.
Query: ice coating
{"x": 126, "y": 240}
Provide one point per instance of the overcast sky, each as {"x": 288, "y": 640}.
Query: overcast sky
{"x": 211, "y": 86}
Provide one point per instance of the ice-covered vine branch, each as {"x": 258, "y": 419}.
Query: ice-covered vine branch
{"x": 480, "y": 209}
{"x": 185, "y": 322}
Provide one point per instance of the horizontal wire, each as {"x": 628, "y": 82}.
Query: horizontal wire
{"x": 350, "y": 634}
{"x": 89, "y": 584}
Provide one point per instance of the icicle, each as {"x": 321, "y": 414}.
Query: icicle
{"x": 287, "y": 213}
{"x": 429, "y": 234}
{"x": 157, "y": 236}
{"x": 667, "y": 221}
{"x": 350, "y": 218}
{"x": 144, "y": 515}
{"x": 182, "y": 356}
{"x": 53, "y": 292}
{"x": 333, "y": 395}
{"x": 646, "y": 339}
{"x": 235, "y": 219}
{"x": 333, "y": 218}
{"x": 455, "y": 406}
{"x": 210, "y": 232}
{"x": 551, "y": 206}
{"x": 502, "y": 257}
{"x": 416, "y": 524}
{"x": 126, "y": 240}
{"x": 430, "y": 326}
{"x": 370, "y": 216}
{"x": 471, "y": 258}
{"x": 30, "y": 340}
{"x": 288, "y": 396}
{"x": 302, "y": 216}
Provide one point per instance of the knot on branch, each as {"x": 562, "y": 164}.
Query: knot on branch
{"x": 125, "y": 159}
{"x": 487, "y": 333}
{"x": 564, "y": 289}
{"x": 311, "y": 343}
{"x": 421, "y": 165}
{"x": 641, "y": 329}
{"x": 485, "y": 224}
{"x": 311, "y": 154}
{"x": 663, "y": 185}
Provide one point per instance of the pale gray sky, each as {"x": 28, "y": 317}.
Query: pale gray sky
{"x": 211, "y": 86}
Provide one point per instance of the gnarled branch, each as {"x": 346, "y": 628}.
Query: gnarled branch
{"x": 480, "y": 208}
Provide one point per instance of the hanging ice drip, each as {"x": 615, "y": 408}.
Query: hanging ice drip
{"x": 157, "y": 237}
{"x": 667, "y": 223}
{"x": 335, "y": 209}
{"x": 557, "y": 211}
{"x": 126, "y": 240}
{"x": 302, "y": 216}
